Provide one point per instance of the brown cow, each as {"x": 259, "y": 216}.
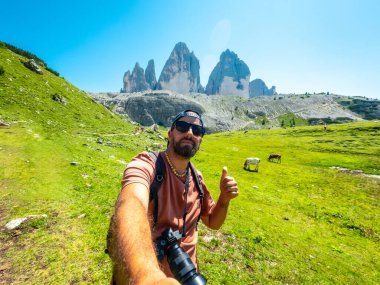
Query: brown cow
{"x": 275, "y": 156}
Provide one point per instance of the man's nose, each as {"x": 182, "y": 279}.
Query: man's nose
{"x": 190, "y": 131}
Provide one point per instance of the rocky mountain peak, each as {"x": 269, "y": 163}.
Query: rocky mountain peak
{"x": 181, "y": 47}
{"x": 150, "y": 75}
{"x": 257, "y": 87}
{"x": 229, "y": 77}
{"x": 135, "y": 82}
{"x": 181, "y": 71}
{"x": 126, "y": 82}
{"x": 181, "y": 74}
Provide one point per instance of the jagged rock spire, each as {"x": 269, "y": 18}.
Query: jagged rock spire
{"x": 181, "y": 71}
{"x": 135, "y": 82}
{"x": 150, "y": 75}
{"x": 229, "y": 77}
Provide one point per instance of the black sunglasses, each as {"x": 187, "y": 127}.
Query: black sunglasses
{"x": 184, "y": 127}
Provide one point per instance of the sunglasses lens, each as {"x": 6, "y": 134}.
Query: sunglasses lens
{"x": 197, "y": 130}
{"x": 184, "y": 127}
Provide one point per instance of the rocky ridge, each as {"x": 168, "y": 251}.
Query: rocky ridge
{"x": 222, "y": 113}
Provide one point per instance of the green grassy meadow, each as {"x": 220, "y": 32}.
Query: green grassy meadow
{"x": 298, "y": 222}
{"x": 295, "y": 222}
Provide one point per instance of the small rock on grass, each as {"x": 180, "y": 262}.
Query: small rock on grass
{"x": 81, "y": 216}
{"x": 14, "y": 224}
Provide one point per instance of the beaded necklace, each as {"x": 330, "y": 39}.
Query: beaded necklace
{"x": 172, "y": 167}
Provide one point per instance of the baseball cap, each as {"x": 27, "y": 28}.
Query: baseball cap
{"x": 188, "y": 113}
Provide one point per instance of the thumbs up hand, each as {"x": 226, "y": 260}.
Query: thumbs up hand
{"x": 228, "y": 187}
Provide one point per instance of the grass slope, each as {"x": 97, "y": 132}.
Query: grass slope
{"x": 36, "y": 176}
{"x": 298, "y": 222}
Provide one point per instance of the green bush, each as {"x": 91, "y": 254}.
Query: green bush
{"x": 52, "y": 71}
{"x": 1, "y": 70}
{"x": 24, "y": 53}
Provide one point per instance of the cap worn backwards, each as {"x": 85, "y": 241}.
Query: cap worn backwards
{"x": 188, "y": 113}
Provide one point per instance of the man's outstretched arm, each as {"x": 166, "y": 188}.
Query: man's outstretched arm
{"x": 132, "y": 240}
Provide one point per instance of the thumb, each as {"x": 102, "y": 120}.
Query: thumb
{"x": 224, "y": 173}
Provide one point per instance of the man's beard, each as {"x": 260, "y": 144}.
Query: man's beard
{"x": 186, "y": 151}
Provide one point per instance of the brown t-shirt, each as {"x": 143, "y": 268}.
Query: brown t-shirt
{"x": 171, "y": 202}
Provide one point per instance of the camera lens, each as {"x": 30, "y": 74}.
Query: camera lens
{"x": 183, "y": 268}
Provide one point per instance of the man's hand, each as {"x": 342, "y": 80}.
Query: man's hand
{"x": 228, "y": 187}
{"x": 228, "y": 191}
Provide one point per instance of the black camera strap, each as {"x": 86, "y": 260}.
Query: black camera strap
{"x": 156, "y": 184}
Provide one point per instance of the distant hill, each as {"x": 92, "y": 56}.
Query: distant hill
{"x": 368, "y": 109}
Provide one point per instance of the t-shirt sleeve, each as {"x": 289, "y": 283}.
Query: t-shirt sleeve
{"x": 139, "y": 170}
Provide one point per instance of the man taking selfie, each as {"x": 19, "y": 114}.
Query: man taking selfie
{"x": 163, "y": 196}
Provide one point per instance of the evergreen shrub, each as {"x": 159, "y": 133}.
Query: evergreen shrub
{"x": 52, "y": 71}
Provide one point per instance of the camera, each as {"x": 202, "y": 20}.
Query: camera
{"x": 179, "y": 261}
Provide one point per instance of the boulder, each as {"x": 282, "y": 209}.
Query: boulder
{"x": 157, "y": 108}
{"x": 32, "y": 65}
{"x": 59, "y": 98}
{"x": 181, "y": 71}
{"x": 229, "y": 77}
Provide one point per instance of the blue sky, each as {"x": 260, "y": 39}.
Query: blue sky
{"x": 298, "y": 46}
